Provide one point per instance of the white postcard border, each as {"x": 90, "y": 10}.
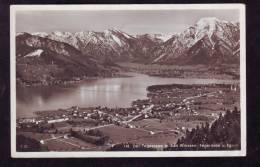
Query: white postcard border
{"x": 100, "y": 154}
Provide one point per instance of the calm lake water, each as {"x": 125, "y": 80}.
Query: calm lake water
{"x": 110, "y": 92}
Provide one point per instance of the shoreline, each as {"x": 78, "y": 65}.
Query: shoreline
{"x": 69, "y": 82}
{"x": 73, "y": 82}
{"x": 169, "y": 111}
{"x": 149, "y": 90}
{"x": 229, "y": 82}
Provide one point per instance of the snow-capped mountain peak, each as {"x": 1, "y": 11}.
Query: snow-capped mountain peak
{"x": 209, "y": 36}
{"x": 210, "y": 26}
{"x": 40, "y": 34}
{"x": 107, "y": 32}
{"x": 164, "y": 37}
{"x": 206, "y": 26}
{"x": 20, "y": 33}
{"x": 211, "y": 21}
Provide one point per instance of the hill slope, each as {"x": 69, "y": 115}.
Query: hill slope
{"x": 42, "y": 60}
{"x": 209, "y": 41}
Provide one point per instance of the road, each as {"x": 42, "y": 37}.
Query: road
{"x": 73, "y": 144}
{"x": 59, "y": 138}
{"x": 52, "y": 138}
{"x": 97, "y": 127}
{"x": 142, "y": 112}
{"x": 192, "y": 97}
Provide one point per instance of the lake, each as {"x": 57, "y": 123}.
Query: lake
{"x": 110, "y": 92}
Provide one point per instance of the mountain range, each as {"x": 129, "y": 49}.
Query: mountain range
{"x": 209, "y": 41}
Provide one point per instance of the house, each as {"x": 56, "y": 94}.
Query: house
{"x": 57, "y": 120}
{"x": 214, "y": 114}
{"x": 195, "y": 113}
{"x": 27, "y": 120}
{"x": 39, "y": 121}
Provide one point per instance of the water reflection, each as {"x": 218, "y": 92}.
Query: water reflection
{"x": 110, "y": 92}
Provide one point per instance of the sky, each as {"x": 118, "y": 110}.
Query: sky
{"x": 132, "y": 22}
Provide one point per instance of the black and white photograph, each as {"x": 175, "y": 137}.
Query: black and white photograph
{"x": 128, "y": 80}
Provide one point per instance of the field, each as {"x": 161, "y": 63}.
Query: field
{"x": 58, "y": 142}
{"x": 170, "y": 113}
{"x": 158, "y": 140}
{"x": 120, "y": 134}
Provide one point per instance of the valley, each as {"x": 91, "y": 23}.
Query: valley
{"x": 114, "y": 91}
{"x": 209, "y": 48}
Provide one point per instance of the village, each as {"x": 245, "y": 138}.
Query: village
{"x": 165, "y": 116}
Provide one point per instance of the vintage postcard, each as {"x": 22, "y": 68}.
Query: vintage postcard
{"x": 128, "y": 80}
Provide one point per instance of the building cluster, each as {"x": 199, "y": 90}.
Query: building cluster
{"x": 161, "y": 104}
{"x": 101, "y": 115}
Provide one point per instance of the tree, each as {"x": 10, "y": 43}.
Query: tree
{"x": 225, "y": 130}
{"x": 52, "y": 126}
{"x": 24, "y": 143}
